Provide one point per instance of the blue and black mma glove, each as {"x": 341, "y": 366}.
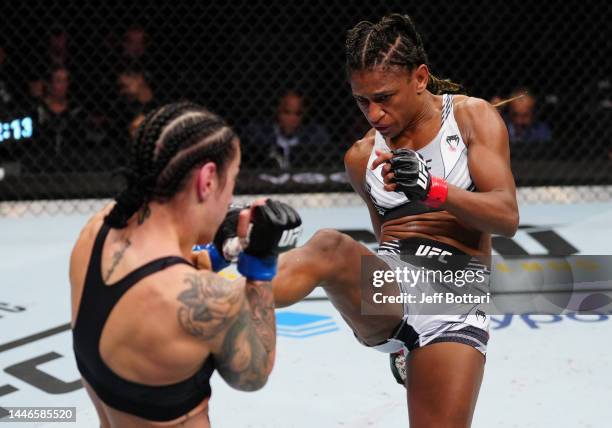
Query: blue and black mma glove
{"x": 274, "y": 225}
{"x": 225, "y": 246}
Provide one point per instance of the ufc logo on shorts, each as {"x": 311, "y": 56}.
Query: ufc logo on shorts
{"x": 289, "y": 237}
{"x": 429, "y": 252}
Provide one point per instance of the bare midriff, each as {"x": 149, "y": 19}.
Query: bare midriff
{"x": 438, "y": 226}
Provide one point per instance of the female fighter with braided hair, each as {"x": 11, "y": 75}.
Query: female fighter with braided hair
{"x": 434, "y": 172}
{"x": 149, "y": 327}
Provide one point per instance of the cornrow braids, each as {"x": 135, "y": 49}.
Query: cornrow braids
{"x": 214, "y": 148}
{"x": 180, "y": 137}
{"x": 394, "y": 41}
{"x": 145, "y": 162}
{"x": 169, "y": 143}
{"x": 357, "y": 42}
{"x": 180, "y": 132}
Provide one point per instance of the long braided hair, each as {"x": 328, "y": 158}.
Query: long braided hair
{"x": 169, "y": 144}
{"x": 393, "y": 41}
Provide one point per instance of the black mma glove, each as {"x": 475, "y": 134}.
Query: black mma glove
{"x": 412, "y": 177}
{"x": 274, "y": 225}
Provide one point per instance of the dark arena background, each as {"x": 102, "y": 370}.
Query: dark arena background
{"x": 76, "y": 79}
{"x": 238, "y": 58}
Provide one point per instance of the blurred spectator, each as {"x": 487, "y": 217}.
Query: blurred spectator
{"x": 62, "y": 126}
{"x": 124, "y": 79}
{"x": 134, "y": 49}
{"x": 521, "y": 120}
{"x": 287, "y": 141}
{"x": 136, "y": 96}
{"x": 56, "y": 100}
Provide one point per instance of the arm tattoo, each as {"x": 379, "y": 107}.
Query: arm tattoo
{"x": 261, "y": 300}
{"x": 206, "y": 305}
{"x": 116, "y": 259}
{"x": 250, "y": 340}
{"x": 244, "y": 361}
{"x": 249, "y": 334}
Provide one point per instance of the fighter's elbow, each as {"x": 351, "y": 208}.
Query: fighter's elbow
{"x": 510, "y": 224}
{"x": 253, "y": 384}
{"x": 251, "y": 378}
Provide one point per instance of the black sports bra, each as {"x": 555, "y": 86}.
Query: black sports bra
{"x": 157, "y": 403}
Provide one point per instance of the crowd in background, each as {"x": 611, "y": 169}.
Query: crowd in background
{"x": 76, "y": 133}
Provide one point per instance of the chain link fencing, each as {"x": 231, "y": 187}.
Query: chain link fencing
{"x": 76, "y": 78}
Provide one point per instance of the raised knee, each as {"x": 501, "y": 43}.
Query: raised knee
{"x": 327, "y": 241}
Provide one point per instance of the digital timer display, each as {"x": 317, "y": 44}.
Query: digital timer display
{"x": 16, "y": 129}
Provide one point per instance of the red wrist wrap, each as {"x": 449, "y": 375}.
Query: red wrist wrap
{"x": 437, "y": 192}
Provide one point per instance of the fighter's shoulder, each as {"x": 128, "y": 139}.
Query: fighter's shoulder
{"x": 95, "y": 221}
{"x": 90, "y": 230}
{"x": 472, "y": 108}
{"x": 360, "y": 151}
{"x": 472, "y": 113}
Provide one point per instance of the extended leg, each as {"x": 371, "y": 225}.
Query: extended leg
{"x": 333, "y": 260}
